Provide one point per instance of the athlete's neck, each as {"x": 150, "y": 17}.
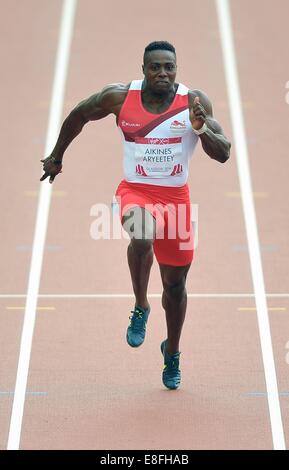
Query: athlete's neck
{"x": 151, "y": 96}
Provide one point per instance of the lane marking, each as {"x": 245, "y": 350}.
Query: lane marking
{"x": 264, "y": 394}
{"x": 131, "y": 296}
{"x": 27, "y": 393}
{"x": 240, "y": 309}
{"x": 23, "y": 308}
{"x": 55, "y": 115}
{"x": 231, "y": 73}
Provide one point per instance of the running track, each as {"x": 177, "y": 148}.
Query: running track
{"x": 86, "y": 388}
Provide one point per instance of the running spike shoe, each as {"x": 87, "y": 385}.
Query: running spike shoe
{"x": 171, "y": 375}
{"x": 137, "y": 327}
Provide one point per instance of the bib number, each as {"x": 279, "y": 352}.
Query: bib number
{"x": 158, "y": 157}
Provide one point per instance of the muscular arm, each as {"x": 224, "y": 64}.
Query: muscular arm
{"x": 93, "y": 108}
{"x": 107, "y": 101}
{"x": 214, "y": 141}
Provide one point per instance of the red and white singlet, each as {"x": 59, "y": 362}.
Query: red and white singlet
{"x": 157, "y": 147}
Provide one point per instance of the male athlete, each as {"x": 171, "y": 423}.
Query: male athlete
{"x": 161, "y": 122}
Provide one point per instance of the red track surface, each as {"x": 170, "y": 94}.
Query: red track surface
{"x": 97, "y": 392}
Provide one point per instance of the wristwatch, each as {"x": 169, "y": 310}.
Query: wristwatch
{"x": 202, "y": 130}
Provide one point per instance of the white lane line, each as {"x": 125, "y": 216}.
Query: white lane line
{"x": 56, "y": 107}
{"x": 131, "y": 296}
{"x": 231, "y": 73}
{"x": 264, "y": 394}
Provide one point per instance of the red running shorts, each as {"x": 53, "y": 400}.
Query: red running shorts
{"x": 171, "y": 209}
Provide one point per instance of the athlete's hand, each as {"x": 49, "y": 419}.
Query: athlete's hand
{"x": 198, "y": 114}
{"x": 51, "y": 168}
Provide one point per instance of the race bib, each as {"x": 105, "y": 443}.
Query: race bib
{"x": 158, "y": 157}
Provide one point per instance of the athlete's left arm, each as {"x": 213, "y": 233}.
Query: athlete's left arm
{"x": 214, "y": 141}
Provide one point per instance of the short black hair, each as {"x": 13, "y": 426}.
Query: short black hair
{"x": 158, "y": 45}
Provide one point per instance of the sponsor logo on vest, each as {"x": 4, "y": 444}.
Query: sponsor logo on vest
{"x": 129, "y": 124}
{"x": 178, "y": 126}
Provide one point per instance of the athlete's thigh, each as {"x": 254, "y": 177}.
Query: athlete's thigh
{"x": 139, "y": 223}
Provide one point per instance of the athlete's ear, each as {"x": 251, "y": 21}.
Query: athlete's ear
{"x": 142, "y": 69}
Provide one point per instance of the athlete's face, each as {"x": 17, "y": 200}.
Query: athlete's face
{"x": 160, "y": 69}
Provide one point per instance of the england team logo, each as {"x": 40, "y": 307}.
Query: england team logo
{"x": 178, "y": 127}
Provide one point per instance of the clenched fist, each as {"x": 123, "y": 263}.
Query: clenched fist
{"x": 198, "y": 114}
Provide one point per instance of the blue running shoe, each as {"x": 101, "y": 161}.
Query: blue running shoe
{"x": 137, "y": 328}
{"x": 171, "y": 373}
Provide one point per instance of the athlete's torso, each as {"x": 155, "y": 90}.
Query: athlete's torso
{"x": 157, "y": 147}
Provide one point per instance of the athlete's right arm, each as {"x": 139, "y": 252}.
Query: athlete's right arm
{"x": 97, "y": 106}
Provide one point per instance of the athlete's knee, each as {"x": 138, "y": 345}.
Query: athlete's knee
{"x": 141, "y": 247}
{"x": 175, "y": 291}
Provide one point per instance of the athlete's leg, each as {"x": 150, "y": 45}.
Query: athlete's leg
{"x": 174, "y": 301}
{"x": 140, "y": 225}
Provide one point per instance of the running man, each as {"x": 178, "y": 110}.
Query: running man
{"x": 161, "y": 122}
